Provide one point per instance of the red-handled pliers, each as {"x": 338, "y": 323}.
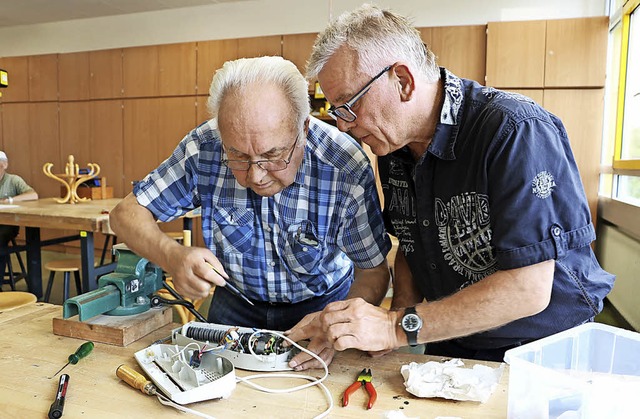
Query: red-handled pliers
{"x": 364, "y": 379}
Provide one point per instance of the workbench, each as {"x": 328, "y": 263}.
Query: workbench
{"x": 85, "y": 217}
{"x": 31, "y": 353}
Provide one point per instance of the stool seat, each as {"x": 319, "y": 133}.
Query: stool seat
{"x": 65, "y": 266}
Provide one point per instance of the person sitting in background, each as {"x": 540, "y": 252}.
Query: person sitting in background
{"x": 12, "y": 189}
{"x": 480, "y": 188}
{"x": 290, "y": 210}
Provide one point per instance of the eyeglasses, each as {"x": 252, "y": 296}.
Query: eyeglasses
{"x": 344, "y": 111}
{"x": 274, "y": 165}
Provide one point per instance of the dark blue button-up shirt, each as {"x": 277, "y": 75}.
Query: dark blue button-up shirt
{"x": 498, "y": 188}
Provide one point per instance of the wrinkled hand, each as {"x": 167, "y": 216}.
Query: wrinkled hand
{"x": 310, "y": 328}
{"x": 192, "y": 277}
{"x": 357, "y": 324}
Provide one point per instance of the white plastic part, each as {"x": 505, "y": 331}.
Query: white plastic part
{"x": 168, "y": 367}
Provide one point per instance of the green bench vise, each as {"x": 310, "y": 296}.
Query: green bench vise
{"x": 124, "y": 292}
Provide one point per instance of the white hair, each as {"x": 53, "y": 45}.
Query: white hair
{"x": 235, "y": 76}
{"x": 379, "y": 37}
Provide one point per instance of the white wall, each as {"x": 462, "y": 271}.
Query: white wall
{"x": 265, "y": 17}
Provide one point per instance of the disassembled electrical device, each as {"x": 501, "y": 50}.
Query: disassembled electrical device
{"x": 188, "y": 374}
{"x": 243, "y": 346}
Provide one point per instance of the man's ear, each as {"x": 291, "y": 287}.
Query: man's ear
{"x": 406, "y": 81}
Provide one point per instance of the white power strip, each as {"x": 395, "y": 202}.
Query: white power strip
{"x": 243, "y": 346}
{"x": 185, "y": 378}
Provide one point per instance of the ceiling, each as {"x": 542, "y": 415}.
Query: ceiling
{"x": 27, "y": 12}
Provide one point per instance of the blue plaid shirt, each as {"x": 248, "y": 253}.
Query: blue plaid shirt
{"x": 300, "y": 243}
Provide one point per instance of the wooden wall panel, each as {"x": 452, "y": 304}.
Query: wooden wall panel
{"x": 18, "y": 74}
{"x": 461, "y": 49}
{"x": 576, "y": 52}
{"x": 75, "y": 132}
{"x": 1, "y": 136}
{"x": 536, "y": 94}
{"x": 516, "y": 54}
{"x": 297, "y": 48}
{"x": 15, "y": 132}
{"x": 43, "y": 77}
{"x": 177, "y": 69}
{"x": 140, "y": 71}
{"x": 73, "y": 76}
{"x": 211, "y": 56}
{"x": 45, "y": 146}
{"x": 581, "y": 112}
{"x": 152, "y": 129}
{"x": 105, "y": 71}
{"x": 259, "y": 46}
{"x": 202, "y": 112}
{"x": 107, "y": 144}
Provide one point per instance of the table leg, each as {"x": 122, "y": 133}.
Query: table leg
{"x": 87, "y": 252}
{"x": 34, "y": 261}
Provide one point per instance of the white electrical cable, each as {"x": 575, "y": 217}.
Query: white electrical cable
{"x": 168, "y": 402}
{"x": 314, "y": 380}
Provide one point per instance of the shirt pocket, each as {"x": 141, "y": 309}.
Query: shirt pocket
{"x": 233, "y": 229}
{"x": 303, "y": 250}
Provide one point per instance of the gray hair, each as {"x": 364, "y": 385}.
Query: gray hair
{"x": 238, "y": 75}
{"x": 379, "y": 37}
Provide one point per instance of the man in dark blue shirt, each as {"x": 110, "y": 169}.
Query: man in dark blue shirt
{"x": 480, "y": 188}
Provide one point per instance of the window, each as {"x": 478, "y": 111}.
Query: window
{"x": 626, "y": 156}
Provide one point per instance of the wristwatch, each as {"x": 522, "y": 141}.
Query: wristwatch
{"x": 411, "y": 323}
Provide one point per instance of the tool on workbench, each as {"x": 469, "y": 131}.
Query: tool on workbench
{"x": 232, "y": 288}
{"x": 55, "y": 411}
{"x": 136, "y": 380}
{"x": 364, "y": 379}
{"x": 82, "y": 351}
{"x": 124, "y": 292}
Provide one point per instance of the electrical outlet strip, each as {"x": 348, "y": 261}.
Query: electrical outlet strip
{"x": 187, "y": 374}
{"x": 236, "y": 344}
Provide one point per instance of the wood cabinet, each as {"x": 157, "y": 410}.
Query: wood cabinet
{"x": 297, "y": 48}
{"x": 73, "y": 76}
{"x": 44, "y": 146}
{"x": 105, "y": 72}
{"x": 18, "y": 74}
{"x": 259, "y": 46}
{"x": 106, "y": 143}
{"x": 515, "y": 54}
{"x": 547, "y": 53}
{"x": 15, "y": 135}
{"x": 461, "y": 49}
{"x": 159, "y": 70}
{"x": 211, "y": 56}
{"x": 43, "y": 78}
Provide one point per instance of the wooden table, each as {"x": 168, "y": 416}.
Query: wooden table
{"x": 30, "y": 353}
{"x": 86, "y": 217}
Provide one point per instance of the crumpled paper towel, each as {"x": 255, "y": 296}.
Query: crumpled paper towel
{"x": 451, "y": 380}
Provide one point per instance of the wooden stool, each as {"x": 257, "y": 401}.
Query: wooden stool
{"x": 67, "y": 266}
{"x": 13, "y": 275}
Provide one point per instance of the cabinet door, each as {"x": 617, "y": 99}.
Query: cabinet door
{"x": 17, "y": 69}
{"x": 177, "y": 69}
{"x": 140, "y": 71}
{"x": 211, "y": 56}
{"x": 105, "y": 69}
{"x": 576, "y": 52}
{"x": 45, "y": 146}
{"x": 515, "y": 54}
{"x": 73, "y": 76}
{"x": 536, "y": 94}
{"x": 581, "y": 113}
{"x": 75, "y": 132}
{"x": 297, "y": 48}
{"x": 259, "y": 46}
{"x": 461, "y": 49}
{"x": 43, "y": 77}
{"x": 202, "y": 112}
{"x": 107, "y": 145}
{"x": 15, "y": 133}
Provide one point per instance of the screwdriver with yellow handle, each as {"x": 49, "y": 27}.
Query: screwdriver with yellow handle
{"x": 84, "y": 350}
{"x": 136, "y": 380}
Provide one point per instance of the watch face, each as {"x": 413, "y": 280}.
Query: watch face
{"x": 411, "y": 322}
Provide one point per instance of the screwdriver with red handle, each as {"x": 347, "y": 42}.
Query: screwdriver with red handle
{"x": 84, "y": 350}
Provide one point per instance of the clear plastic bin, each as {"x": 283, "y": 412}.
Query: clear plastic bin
{"x": 590, "y": 371}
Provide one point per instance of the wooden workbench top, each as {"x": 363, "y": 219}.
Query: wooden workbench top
{"x": 30, "y": 353}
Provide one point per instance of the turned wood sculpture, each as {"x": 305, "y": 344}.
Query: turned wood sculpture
{"x": 71, "y": 179}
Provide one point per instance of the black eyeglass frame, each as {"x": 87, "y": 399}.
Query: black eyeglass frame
{"x": 246, "y": 164}
{"x": 349, "y": 115}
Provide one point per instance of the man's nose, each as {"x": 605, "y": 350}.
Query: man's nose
{"x": 345, "y": 126}
{"x": 255, "y": 173}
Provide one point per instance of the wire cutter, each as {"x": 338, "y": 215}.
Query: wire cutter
{"x": 364, "y": 379}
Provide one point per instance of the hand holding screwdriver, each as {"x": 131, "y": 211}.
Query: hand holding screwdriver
{"x": 84, "y": 350}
